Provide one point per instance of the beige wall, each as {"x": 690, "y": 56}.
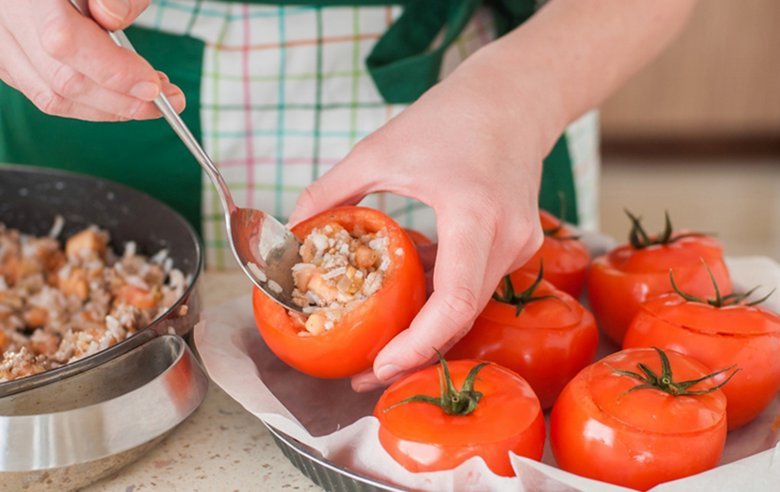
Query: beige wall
{"x": 721, "y": 78}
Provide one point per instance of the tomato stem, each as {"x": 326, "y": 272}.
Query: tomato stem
{"x": 665, "y": 382}
{"x": 720, "y": 300}
{"x": 451, "y": 400}
{"x": 639, "y": 239}
{"x": 521, "y": 300}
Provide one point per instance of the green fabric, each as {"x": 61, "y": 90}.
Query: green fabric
{"x": 403, "y": 68}
{"x": 558, "y": 181}
{"x": 144, "y": 155}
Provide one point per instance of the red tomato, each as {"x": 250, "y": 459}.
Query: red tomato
{"x": 565, "y": 257}
{"x": 421, "y": 436}
{"x": 357, "y": 337}
{"x": 624, "y": 278}
{"x": 603, "y": 429}
{"x": 548, "y": 342}
{"x": 744, "y": 336}
{"x": 418, "y": 238}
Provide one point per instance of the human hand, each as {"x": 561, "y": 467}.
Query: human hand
{"x": 68, "y": 66}
{"x": 476, "y": 160}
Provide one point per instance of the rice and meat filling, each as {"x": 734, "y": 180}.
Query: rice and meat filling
{"x": 339, "y": 270}
{"x": 60, "y": 305}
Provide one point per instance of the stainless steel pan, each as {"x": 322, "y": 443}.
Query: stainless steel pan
{"x": 67, "y": 427}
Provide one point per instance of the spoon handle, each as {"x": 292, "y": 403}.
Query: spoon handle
{"x": 174, "y": 120}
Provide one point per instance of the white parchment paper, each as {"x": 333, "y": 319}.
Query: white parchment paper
{"x": 329, "y": 417}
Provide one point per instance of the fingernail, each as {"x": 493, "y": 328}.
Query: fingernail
{"x": 118, "y": 9}
{"x": 387, "y": 372}
{"x": 366, "y": 387}
{"x": 146, "y": 91}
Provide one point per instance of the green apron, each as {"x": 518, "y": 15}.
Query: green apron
{"x": 148, "y": 156}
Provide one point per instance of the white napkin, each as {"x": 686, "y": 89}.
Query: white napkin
{"x": 329, "y": 417}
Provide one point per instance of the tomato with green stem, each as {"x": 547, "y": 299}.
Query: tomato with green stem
{"x": 725, "y": 330}
{"x": 351, "y": 345}
{"x": 621, "y": 280}
{"x": 640, "y": 417}
{"x": 427, "y": 424}
{"x": 541, "y": 333}
{"x": 565, "y": 257}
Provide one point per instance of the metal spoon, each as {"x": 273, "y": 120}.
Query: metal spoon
{"x": 265, "y": 249}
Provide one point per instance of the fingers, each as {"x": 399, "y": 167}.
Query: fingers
{"x": 78, "y": 66}
{"x": 458, "y": 296}
{"x": 344, "y": 184}
{"x": 117, "y": 14}
{"x": 73, "y": 40}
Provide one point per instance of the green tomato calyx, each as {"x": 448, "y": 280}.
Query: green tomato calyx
{"x": 665, "y": 381}
{"x": 452, "y": 401}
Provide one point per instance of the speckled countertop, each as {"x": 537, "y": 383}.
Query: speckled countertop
{"x": 220, "y": 447}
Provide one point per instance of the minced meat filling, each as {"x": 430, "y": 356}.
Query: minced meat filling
{"x": 339, "y": 270}
{"x": 58, "y": 305}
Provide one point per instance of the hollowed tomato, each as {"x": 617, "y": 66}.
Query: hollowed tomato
{"x": 600, "y": 428}
{"x": 547, "y": 342}
{"x": 357, "y": 337}
{"x": 421, "y": 436}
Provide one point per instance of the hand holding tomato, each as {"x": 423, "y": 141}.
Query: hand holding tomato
{"x": 620, "y": 281}
{"x": 539, "y": 332}
{"x": 640, "y": 417}
{"x": 427, "y": 424}
{"x": 357, "y": 337}
{"x": 458, "y": 150}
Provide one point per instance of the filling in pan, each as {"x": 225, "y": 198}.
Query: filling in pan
{"x": 58, "y": 305}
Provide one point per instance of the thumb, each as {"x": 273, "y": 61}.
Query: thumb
{"x": 116, "y": 14}
{"x": 344, "y": 184}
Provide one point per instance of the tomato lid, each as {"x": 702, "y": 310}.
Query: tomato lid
{"x": 508, "y": 407}
{"x": 687, "y": 251}
{"x": 710, "y": 320}
{"x": 652, "y": 410}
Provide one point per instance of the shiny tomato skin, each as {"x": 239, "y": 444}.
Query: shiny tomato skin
{"x": 747, "y": 337}
{"x": 422, "y": 437}
{"x": 620, "y": 281}
{"x": 417, "y": 237}
{"x": 547, "y": 344}
{"x": 357, "y": 337}
{"x": 637, "y": 439}
{"x": 565, "y": 260}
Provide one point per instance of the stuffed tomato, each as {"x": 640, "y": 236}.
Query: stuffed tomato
{"x": 439, "y": 417}
{"x": 640, "y": 417}
{"x": 718, "y": 332}
{"x": 541, "y": 333}
{"x": 620, "y": 281}
{"x": 359, "y": 284}
{"x": 565, "y": 257}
